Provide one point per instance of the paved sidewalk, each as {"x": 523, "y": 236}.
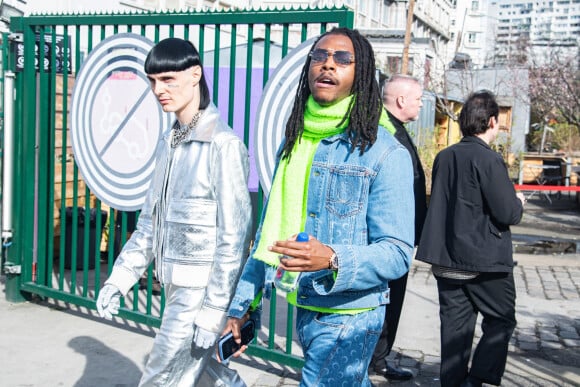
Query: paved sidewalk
{"x": 54, "y": 344}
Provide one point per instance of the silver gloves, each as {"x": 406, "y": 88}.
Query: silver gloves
{"x": 109, "y": 301}
{"x": 204, "y": 339}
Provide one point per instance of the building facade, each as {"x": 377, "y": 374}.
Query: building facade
{"x": 530, "y": 30}
{"x": 428, "y": 50}
{"x": 473, "y": 27}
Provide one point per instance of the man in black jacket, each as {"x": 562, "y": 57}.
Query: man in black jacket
{"x": 402, "y": 99}
{"x": 467, "y": 241}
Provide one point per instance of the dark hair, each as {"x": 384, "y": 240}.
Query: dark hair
{"x": 365, "y": 109}
{"x": 476, "y": 112}
{"x": 174, "y": 54}
{"x": 382, "y": 82}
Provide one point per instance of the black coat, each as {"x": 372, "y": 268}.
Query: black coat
{"x": 419, "y": 189}
{"x": 473, "y": 203}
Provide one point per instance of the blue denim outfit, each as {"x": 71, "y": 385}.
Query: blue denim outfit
{"x": 361, "y": 206}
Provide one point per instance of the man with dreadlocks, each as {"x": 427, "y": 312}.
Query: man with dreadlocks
{"x": 344, "y": 180}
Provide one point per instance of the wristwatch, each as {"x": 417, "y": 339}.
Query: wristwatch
{"x": 333, "y": 262}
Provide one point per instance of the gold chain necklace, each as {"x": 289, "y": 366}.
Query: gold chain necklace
{"x": 181, "y": 132}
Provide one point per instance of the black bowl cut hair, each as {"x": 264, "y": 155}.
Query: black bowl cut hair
{"x": 174, "y": 54}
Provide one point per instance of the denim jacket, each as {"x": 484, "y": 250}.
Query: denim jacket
{"x": 196, "y": 218}
{"x": 361, "y": 206}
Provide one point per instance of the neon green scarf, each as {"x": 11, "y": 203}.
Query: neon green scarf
{"x": 385, "y": 122}
{"x": 286, "y": 212}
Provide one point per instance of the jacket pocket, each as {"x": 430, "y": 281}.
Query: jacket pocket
{"x": 347, "y": 188}
{"x": 494, "y": 231}
{"x": 314, "y": 291}
{"x": 191, "y": 231}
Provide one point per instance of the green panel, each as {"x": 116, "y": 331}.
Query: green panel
{"x": 37, "y": 160}
{"x": 339, "y": 15}
{"x": 232, "y": 76}
{"x": 88, "y": 303}
{"x": 216, "y": 65}
{"x": 249, "y": 54}
{"x": 41, "y": 173}
{"x": 24, "y": 228}
{"x": 275, "y": 356}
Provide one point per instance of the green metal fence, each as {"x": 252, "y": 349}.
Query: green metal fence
{"x": 56, "y": 247}
{"x": 3, "y": 53}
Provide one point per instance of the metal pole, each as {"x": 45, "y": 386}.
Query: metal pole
{"x": 8, "y": 164}
{"x": 11, "y": 269}
{"x": 407, "y": 41}
{"x": 543, "y": 140}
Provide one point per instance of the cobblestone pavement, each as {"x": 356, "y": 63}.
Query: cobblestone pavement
{"x": 545, "y": 347}
{"x": 68, "y": 345}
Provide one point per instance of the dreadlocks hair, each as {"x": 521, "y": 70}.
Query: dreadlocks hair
{"x": 365, "y": 109}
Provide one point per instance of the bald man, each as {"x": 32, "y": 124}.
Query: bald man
{"x": 402, "y": 99}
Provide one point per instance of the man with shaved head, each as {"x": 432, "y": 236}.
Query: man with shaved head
{"x": 402, "y": 100}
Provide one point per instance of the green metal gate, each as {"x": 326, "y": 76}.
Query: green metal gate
{"x": 53, "y": 211}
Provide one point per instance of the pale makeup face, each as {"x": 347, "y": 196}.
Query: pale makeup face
{"x": 329, "y": 81}
{"x": 177, "y": 91}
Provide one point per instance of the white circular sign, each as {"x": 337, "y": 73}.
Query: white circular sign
{"x": 275, "y": 108}
{"x": 116, "y": 121}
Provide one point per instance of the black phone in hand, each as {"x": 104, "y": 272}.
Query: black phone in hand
{"x": 226, "y": 344}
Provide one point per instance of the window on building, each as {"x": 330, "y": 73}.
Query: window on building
{"x": 385, "y": 15}
{"x": 139, "y": 4}
{"x": 172, "y": 4}
{"x": 363, "y": 6}
{"x": 427, "y": 79}
{"x": 505, "y": 118}
{"x": 472, "y": 37}
{"x": 375, "y": 10}
{"x": 475, "y": 5}
{"x": 393, "y": 64}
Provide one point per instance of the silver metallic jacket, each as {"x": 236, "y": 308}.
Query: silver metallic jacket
{"x": 196, "y": 218}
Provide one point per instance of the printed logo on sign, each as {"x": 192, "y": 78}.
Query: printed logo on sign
{"x": 47, "y": 47}
{"x": 116, "y": 122}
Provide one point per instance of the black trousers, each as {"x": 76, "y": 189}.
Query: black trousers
{"x": 392, "y": 317}
{"x": 491, "y": 294}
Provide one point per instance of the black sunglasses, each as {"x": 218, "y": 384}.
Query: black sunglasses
{"x": 342, "y": 58}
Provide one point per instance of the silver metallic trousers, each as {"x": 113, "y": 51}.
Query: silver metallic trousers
{"x": 173, "y": 361}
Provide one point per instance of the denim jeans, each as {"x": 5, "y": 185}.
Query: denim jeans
{"x": 338, "y": 347}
